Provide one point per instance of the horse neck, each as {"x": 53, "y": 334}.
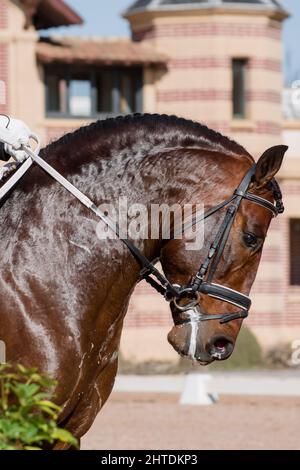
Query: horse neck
{"x": 38, "y": 204}
{"x": 170, "y": 176}
{"x": 52, "y": 264}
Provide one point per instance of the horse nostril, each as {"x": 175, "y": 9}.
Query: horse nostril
{"x": 220, "y": 347}
{"x": 220, "y": 343}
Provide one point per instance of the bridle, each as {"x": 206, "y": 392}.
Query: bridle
{"x": 202, "y": 283}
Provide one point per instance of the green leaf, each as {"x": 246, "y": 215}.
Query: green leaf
{"x": 28, "y": 416}
{"x": 64, "y": 436}
{"x": 49, "y": 404}
{"x": 31, "y": 448}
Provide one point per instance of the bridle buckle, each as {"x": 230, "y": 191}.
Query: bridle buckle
{"x": 185, "y": 292}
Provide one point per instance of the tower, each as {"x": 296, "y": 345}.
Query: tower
{"x": 224, "y": 64}
{"x": 225, "y": 70}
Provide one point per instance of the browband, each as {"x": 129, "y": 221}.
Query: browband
{"x": 262, "y": 202}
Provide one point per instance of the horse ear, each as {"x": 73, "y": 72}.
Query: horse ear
{"x": 269, "y": 164}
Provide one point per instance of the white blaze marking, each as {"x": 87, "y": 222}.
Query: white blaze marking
{"x": 194, "y": 322}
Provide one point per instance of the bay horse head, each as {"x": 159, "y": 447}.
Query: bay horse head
{"x": 203, "y": 330}
{"x": 64, "y": 292}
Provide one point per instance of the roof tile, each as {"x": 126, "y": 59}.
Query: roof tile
{"x": 97, "y": 51}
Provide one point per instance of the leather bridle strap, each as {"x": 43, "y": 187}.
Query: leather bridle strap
{"x": 261, "y": 202}
{"x": 184, "y": 317}
{"x": 202, "y": 217}
{"x": 231, "y": 213}
{"x": 216, "y": 249}
{"x": 208, "y": 268}
{"x": 232, "y": 296}
{"x": 212, "y": 260}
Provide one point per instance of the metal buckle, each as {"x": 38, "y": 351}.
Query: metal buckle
{"x": 185, "y": 291}
{"x": 186, "y": 307}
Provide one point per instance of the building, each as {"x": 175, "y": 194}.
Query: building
{"x": 214, "y": 61}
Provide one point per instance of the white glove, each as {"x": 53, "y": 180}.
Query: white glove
{"x": 20, "y": 129}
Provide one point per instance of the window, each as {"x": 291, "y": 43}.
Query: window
{"x": 98, "y": 92}
{"x": 80, "y": 97}
{"x": 295, "y": 252}
{"x": 239, "y": 68}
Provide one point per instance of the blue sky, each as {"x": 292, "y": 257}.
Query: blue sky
{"x": 103, "y": 18}
{"x": 291, "y": 38}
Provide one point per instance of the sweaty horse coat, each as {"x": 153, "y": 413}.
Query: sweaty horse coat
{"x": 64, "y": 292}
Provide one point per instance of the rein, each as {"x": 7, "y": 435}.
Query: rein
{"x": 202, "y": 282}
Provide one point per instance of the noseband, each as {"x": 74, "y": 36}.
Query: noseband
{"x": 202, "y": 282}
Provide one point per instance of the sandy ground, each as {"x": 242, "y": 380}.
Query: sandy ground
{"x": 156, "y": 421}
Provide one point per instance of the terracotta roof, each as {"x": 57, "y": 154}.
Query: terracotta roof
{"x": 75, "y": 50}
{"x": 45, "y": 14}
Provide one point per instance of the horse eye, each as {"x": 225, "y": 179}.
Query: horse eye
{"x": 250, "y": 240}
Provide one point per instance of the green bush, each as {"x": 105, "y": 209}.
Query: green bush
{"x": 28, "y": 417}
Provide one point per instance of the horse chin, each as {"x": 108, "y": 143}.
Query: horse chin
{"x": 180, "y": 338}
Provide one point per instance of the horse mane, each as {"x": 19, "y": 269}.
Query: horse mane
{"x": 144, "y": 131}
{"x": 127, "y": 136}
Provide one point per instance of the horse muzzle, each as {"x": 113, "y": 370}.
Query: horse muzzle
{"x": 200, "y": 340}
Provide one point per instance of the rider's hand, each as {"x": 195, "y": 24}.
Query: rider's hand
{"x": 19, "y": 128}
{"x": 18, "y": 155}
